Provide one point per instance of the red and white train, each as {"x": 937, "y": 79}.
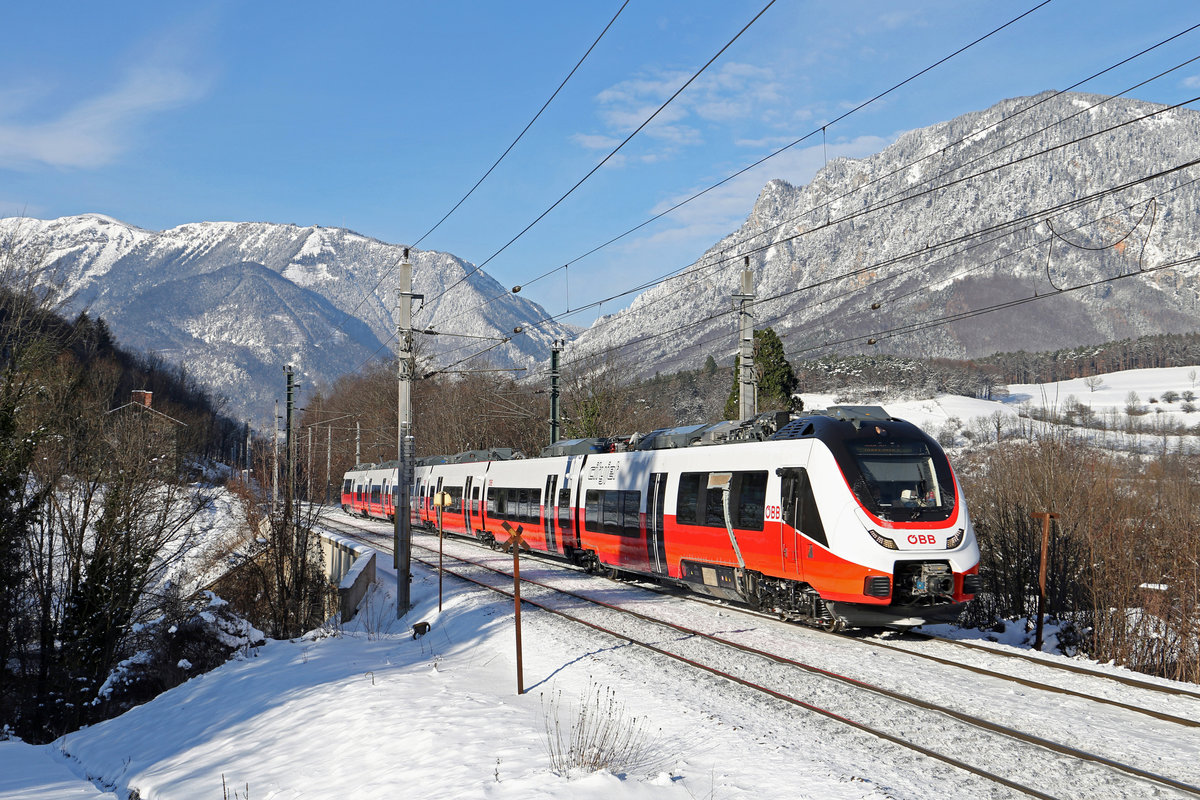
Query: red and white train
{"x": 845, "y": 517}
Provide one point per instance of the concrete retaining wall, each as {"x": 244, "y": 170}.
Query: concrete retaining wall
{"x": 351, "y": 566}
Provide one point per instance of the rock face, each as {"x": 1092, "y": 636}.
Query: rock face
{"x": 234, "y": 302}
{"x": 1029, "y": 197}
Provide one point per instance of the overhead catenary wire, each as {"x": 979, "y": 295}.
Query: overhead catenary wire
{"x": 496, "y": 163}
{"x": 1018, "y": 223}
{"x": 947, "y": 319}
{"x": 757, "y": 163}
{"x": 963, "y": 238}
{"x": 826, "y": 204}
{"x": 612, "y": 153}
{"x": 896, "y": 200}
{"x": 645, "y": 285}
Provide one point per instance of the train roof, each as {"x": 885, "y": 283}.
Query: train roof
{"x": 840, "y": 422}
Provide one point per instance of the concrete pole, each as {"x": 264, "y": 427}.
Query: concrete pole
{"x": 308, "y": 496}
{"x": 405, "y": 367}
{"x": 747, "y": 384}
{"x": 289, "y": 446}
{"x": 357, "y": 443}
{"x": 328, "y": 458}
{"x": 554, "y": 375}
{"x": 275, "y": 457}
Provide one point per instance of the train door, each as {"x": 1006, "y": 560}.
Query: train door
{"x": 548, "y": 511}
{"x": 476, "y": 506}
{"x": 789, "y": 532}
{"x": 801, "y": 520}
{"x": 467, "y": 507}
{"x": 656, "y": 498}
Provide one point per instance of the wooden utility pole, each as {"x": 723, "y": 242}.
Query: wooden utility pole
{"x": 328, "y": 458}
{"x": 515, "y": 542}
{"x": 1045, "y": 517}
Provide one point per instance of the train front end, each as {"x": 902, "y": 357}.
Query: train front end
{"x": 901, "y": 550}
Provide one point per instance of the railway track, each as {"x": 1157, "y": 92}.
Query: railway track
{"x": 988, "y": 658}
{"x": 931, "y": 728}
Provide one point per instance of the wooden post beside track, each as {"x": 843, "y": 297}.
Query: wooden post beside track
{"x": 515, "y": 542}
{"x": 440, "y": 501}
{"x": 1045, "y": 517}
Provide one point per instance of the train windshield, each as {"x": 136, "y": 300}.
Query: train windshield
{"x": 900, "y": 478}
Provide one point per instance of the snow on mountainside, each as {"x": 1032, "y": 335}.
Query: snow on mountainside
{"x": 907, "y": 230}
{"x": 236, "y": 301}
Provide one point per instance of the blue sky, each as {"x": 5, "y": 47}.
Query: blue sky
{"x": 379, "y": 116}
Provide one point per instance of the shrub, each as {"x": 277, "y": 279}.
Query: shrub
{"x": 602, "y": 735}
{"x": 1169, "y": 396}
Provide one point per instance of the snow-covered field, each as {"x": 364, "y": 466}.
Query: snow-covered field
{"x": 1108, "y": 402}
{"x": 370, "y": 712}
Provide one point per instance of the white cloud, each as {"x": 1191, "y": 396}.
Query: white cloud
{"x": 1192, "y": 82}
{"x": 734, "y": 92}
{"x": 96, "y": 131}
{"x": 595, "y": 141}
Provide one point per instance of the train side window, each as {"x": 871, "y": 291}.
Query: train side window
{"x": 612, "y": 512}
{"x": 496, "y": 502}
{"x": 800, "y": 505}
{"x": 475, "y": 500}
{"x": 714, "y": 508}
{"x": 591, "y": 510}
{"x": 631, "y": 515}
{"x": 564, "y": 506}
{"x": 522, "y": 505}
{"x": 690, "y": 485}
{"x": 455, "y": 493}
{"x": 751, "y": 493}
{"x": 347, "y": 487}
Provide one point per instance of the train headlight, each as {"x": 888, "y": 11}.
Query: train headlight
{"x": 883, "y": 541}
{"x": 955, "y": 540}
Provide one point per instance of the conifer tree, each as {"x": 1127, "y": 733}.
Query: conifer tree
{"x": 776, "y": 380}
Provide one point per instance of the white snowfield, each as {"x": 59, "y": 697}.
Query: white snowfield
{"x": 370, "y": 712}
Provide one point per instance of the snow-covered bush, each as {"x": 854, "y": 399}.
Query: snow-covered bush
{"x": 198, "y": 636}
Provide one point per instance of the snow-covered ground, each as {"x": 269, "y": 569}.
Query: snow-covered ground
{"x": 1108, "y": 402}
{"x": 370, "y": 712}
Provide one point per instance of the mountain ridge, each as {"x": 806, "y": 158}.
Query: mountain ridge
{"x": 335, "y": 291}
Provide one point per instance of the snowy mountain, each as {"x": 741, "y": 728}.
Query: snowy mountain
{"x": 991, "y": 207}
{"x": 235, "y": 302}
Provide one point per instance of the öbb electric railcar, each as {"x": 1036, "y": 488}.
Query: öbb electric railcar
{"x": 845, "y": 517}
